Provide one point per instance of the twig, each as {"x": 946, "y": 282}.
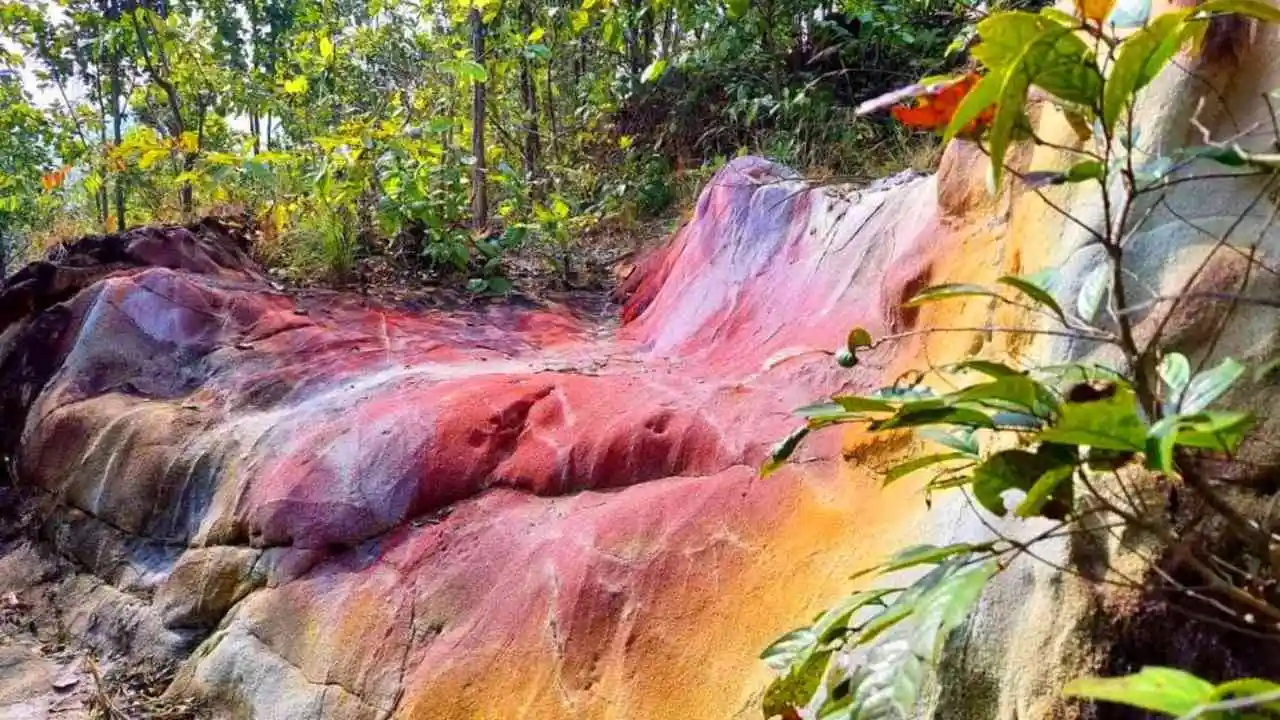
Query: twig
{"x": 1195, "y": 275}
{"x": 1200, "y": 229}
{"x": 100, "y": 692}
{"x": 1222, "y": 296}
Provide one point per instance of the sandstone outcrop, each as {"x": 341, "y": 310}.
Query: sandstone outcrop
{"x": 324, "y": 507}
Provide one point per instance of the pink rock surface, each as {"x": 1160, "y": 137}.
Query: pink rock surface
{"x": 361, "y": 511}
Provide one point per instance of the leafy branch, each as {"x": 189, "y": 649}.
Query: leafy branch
{"x": 1056, "y": 442}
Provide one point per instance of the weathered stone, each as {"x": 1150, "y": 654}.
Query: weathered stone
{"x": 365, "y": 511}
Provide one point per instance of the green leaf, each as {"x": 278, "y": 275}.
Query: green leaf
{"x": 439, "y": 125}
{"x": 908, "y": 417}
{"x": 794, "y": 689}
{"x": 1014, "y": 470}
{"x": 499, "y": 285}
{"x": 946, "y": 292}
{"x": 1158, "y": 689}
{"x": 821, "y": 415}
{"x": 986, "y": 367}
{"x": 1209, "y": 385}
{"x": 881, "y": 623}
{"x": 654, "y": 71}
{"x": 831, "y": 624}
{"x": 982, "y": 96}
{"x": 949, "y": 603}
{"x": 736, "y": 9}
{"x": 1012, "y": 98}
{"x": 296, "y": 86}
{"x": 1011, "y": 392}
{"x": 1110, "y": 423}
{"x": 326, "y": 48}
{"x": 1048, "y": 487}
{"x": 560, "y": 209}
{"x": 794, "y": 646}
{"x": 858, "y": 338}
{"x": 1035, "y": 292}
{"x": 1229, "y": 156}
{"x": 1248, "y": 688}
{"x": 1062, "y": 64}
{"x": 897, "y": 472}
{"x": 917, "y": 555}
{"x": 1160, "y": 441}
{"x": 1140, "y": 57}
{"x": 1022, "y": 49}
{"x": 858, "y": 403}
{"x": 1006, "y": 35}
{"x": 1086, "y": 170}
{"x": 961, "y": 440}
{"x": 888, "y": 684}
{"x": 1175, "y": 371}
{"x": 1258, "y": 9}
{"x": 579, "y": 21}
{"x": 471, "y": 70}
{"x": 1094, "y": 290}
{"x": 783, "y": 450}
{"x": 1218, "y": 431}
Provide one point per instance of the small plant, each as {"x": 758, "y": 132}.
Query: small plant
{"x": 555, "y": 228}
{"x": 1068, "y": 443}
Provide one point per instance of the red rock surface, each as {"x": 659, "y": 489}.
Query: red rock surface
{"x": 361, "y": 511}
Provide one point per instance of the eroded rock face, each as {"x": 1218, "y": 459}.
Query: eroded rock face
{"x": 330, "y": 508}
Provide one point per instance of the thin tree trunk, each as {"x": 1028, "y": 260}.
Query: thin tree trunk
{"x": 479, "y": 191}
{"x": 104, "y": 197}
{"x": 111, "y": 11}
{"x": 118, "y": 135}
{"x": 160, "y": 76}
{"x": 552, "y": 127}
{"x": 529, "y": 89}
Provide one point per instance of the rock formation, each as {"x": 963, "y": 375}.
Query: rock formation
{"x": 323, "y": 507}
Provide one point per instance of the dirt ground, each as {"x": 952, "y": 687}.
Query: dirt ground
{"x": 43, "y": 673}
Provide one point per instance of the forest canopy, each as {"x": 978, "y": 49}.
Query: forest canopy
{"x": 441, "y": 135}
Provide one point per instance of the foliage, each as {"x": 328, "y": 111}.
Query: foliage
{"x": 1179, "y": 694}
{"x": 364, "y": 113}
{"x": 1036, "y": 442}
